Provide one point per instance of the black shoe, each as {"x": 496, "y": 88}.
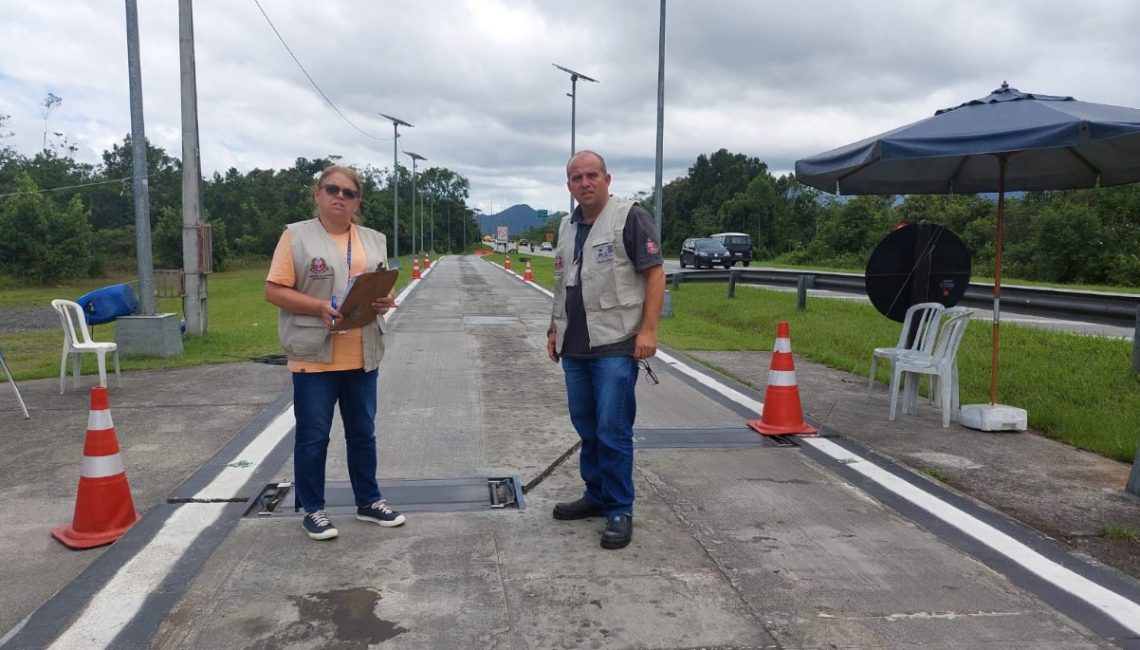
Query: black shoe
{"x": 618, "y": 532}
{"x": 579, "y": 509}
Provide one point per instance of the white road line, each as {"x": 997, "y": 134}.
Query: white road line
{"x": 1119, "y": 608}
{"x": 235, "y": 474}
{"x": 1113, "y": 605}
{"x": 113, "y": 606}
{"x": 705, "y": 380}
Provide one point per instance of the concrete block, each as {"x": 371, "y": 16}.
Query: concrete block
{"x": 155, "y": 335}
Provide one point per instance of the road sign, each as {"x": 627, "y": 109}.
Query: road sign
{"x": 502, "y": 233}
{"x": 543, "y": 214}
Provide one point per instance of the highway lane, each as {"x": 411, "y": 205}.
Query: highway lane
{"x": 1009, "y": 315}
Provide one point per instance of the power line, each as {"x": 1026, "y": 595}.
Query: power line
{"x": 310, "y": 78}
{"x": 67, "y": 187}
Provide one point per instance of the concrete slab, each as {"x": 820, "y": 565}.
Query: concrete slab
{"x": 167, "y": 425}
{"x": 1064, "y": 492}
{"x": 745, "y": 548}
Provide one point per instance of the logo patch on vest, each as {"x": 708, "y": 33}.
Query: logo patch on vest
{"x": 651, "y": 246}
{"x": 558, "y": 264}
{"x": 319, "y": 269}
{"x": 604, "y": 253}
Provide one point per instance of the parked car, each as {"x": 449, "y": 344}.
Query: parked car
{"x": 547, "y": 246}
{"x": 739, "y": 245}
{"x": 704, "y": 251}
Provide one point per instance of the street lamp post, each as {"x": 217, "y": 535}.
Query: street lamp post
{"x": 396, "y": 122}
{"x": 415, "y": 157}
{"x": 574, "y": 77}
{"x": 660, "y": 123}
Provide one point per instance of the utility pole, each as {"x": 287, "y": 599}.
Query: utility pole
{"x": 660, "y": 123}
{"x": 396, "y": 122}
{"x": 573, "y": 94}
{"x": 138, "y": 164}
{"x": 195, "y": 304}
{"x": 148, "y": 333}
{"x": 415, "y": 157}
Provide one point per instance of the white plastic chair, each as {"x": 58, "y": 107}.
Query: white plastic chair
{"x": 942, "y": 363}
{"x": 925, "y": 317}
{"x": 77, "y": 340}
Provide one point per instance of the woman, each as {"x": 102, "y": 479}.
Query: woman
{"x": 309, "y": 273}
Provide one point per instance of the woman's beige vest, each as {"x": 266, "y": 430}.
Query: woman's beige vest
{"x": 321, "y": 270}
{"x": 613, "y": 292}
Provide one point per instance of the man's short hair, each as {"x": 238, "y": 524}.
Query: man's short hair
{"x": 584, "y": 152}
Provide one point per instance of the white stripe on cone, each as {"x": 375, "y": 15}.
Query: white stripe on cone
{"x": 99, "y": 421}
{"x": 101, "y": 466}
{"x": 782, "y": 345}
{"x": 781, "y": 377}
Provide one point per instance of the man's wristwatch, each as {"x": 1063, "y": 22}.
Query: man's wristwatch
{"x": 550, "y": 331}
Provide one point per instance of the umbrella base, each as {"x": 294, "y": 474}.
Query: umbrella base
{"x": 993, "y": 417}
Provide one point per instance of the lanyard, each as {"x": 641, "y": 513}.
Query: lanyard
{"x": 580, "y": 240}
{"x": 348, "y": 261}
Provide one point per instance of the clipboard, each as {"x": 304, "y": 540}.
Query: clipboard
{"x": 356, "y": 311}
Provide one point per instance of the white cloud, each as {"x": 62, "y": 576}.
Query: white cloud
{"x": 778, "y": 81}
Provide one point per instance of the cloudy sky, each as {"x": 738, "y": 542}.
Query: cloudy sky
{"x": 774, "y": 80}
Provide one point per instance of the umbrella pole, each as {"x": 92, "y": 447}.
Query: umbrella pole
{"x": 997, "y": 276}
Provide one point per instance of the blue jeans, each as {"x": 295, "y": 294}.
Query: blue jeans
{"x": 314, "y": 396}
{"x": 600, "y": 393}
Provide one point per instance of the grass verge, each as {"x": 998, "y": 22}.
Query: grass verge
{"x": 1076, "y": 389}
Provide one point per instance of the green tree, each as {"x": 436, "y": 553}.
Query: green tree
{"x": 41, "y": 242}
{"x": 851, "y": 230}
{"x": 1069, "y": 244}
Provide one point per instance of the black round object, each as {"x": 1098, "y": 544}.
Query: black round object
{"x": 917, "y": 262}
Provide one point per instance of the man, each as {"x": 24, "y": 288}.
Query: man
{"x": 609, "y": 285}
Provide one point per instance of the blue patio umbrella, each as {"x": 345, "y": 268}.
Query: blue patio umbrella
{"x": 1009, "y": 140}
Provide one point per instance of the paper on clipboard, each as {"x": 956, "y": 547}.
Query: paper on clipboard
{"x": 362, "y": 290}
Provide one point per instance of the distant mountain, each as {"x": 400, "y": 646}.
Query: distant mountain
{"x": 517, "y": 219}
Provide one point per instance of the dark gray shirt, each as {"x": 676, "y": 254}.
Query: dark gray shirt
{"x": 639, "y": 236}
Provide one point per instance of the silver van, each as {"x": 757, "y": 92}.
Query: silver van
{"x": 739, "y": 245}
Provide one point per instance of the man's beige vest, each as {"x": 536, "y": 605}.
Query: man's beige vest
{"x": 613, "y": 292}
{"x": 321, "y": 270}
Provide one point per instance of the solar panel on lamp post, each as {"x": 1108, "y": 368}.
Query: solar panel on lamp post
{"x": 415, "y": 157}
{"x": 573, "y": 94}
{"x": 396, "y": 123}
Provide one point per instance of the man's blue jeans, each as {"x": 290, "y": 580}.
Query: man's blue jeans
{"x": 600, "y": 393}
{"x": 314, "y": 396}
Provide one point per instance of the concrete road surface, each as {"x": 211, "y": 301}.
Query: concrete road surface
{"x": 740, "y": 541}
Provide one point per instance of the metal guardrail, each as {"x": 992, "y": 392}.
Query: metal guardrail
{"x": 1118, "y": 309}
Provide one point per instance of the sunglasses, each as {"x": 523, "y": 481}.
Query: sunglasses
{"x": 333, "y": 190}
{"x": 650, "y": 376}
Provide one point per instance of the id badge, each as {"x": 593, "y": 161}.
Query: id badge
{"x": 575, "y": 269}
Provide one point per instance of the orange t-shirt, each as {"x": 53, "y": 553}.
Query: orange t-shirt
{"x": 348, "y": 348}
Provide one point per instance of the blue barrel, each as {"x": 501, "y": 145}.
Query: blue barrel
{"x": 106, "y": 304}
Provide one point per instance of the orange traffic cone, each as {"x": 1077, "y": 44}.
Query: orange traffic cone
{"x": 527, "y": 275}
{"x": 103, "y": 509}
{"x": 416, "y": 268}
{"x": 508, "y": 266}
{"x": 427, "y": 261}
{"x": 782, "y": 411}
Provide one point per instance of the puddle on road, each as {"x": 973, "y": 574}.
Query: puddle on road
{"x": 344, "y": 619}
